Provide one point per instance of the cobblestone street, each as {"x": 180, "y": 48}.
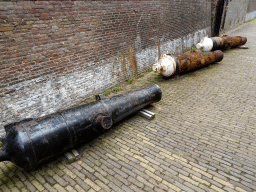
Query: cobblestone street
{"x": 203, "y": 137}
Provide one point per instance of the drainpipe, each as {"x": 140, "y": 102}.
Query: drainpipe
{"x": 218, "y": 17}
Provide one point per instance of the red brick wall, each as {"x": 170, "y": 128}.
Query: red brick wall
{"x": 40, "y": 38}
{"x": 55, "y": 54}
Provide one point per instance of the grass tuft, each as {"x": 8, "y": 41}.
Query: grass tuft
{"x": 250, "y": 20}
{"x": 131, "y": 79}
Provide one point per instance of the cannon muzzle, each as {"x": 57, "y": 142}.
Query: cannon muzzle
{"x": 220, "y": 43}
{"x": 32, "y": 141}
{"x": 169, "y": 65}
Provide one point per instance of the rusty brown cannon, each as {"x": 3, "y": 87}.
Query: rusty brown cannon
{"x": 32, "y": 141}
{"x": 178, "y": 63}
{"x": 220, "y": 43}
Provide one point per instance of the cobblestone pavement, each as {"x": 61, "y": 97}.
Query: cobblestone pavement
{"x": 202, "y": 139}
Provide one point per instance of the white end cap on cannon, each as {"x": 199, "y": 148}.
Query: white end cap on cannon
{"x": 205, "y": 44}
{"x": 166, "y": 65}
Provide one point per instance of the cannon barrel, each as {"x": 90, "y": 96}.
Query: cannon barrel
{"x": 32, "y": 141}
{"x": 220, "y": 43}
{"x": 174, "y": 64}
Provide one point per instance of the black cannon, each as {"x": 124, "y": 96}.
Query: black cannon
{"x": 32, "y": 141}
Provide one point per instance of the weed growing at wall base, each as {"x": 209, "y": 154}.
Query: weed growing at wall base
{"x": 108, "y": 91}
{"x": 131, "y": 79}
{"x": 192, "y": 48}
{"x": 251, "y": 20}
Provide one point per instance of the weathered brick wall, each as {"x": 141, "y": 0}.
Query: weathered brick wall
{"x": 251, "y": 6}
{"x": 251, "y": 10}
{"x": 235, "y": 13}
{"x": 55, "y": 54}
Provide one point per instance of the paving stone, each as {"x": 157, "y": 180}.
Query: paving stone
{"x": 69, "y": 180}
{"x": 77, "y": 166}
{"x": 206, "y": 188}
{"x": 135, "y": 182}
{"x": 240, "y": 189}
{"x": 37, "y": 185}
{"x": 191, "y": 186}
{"x": 88, "y": 163}
{"x": 202, "y": 172}
{"x": 84, "y": 173}
{"x": 70, "y": 189}
{"x": 120, "y": 173}
{"x": 114, "y": 181}
{"x": 252, "y": 186}
{"x": 115, "y": 188}
{"x": 126, "y": 189}
{"x": 78, "y": 188}
{"x": 171, "y": 186}
{"x": 216, "y": 188}
{"x": 49, "y": 187}
{"x": 145, "y": 182}
{"x": 116, "y": 165}
{"x": 158, "y": 189}
{"x": 102, "y": 185}
{"x": 109, "y": 171}
{"x": 69, "y": 173}
{"x": 212, "y": 181}
{"x": 179, "y": 170}
{"x": 125, "y": 181}
{"x": 49, "y": 179}
{"x": 18, "y": 183}
{"x": 81, "y": 184}
{"x": 135, "y": 188}
{"x": 228, "y": 189}
{"x": 60, "y": 181}
{"x": 59, "y": 188}
{"x": 199, "y": 180}
{"x": 153, "y": 176}
{"x": 101, "y": 177}
{"x": 58, "y": 171}
{"x": 225, "y": 183}
{"x": 29, "y": 186}
{"x": 239, "y": 176}
{"x": 92, "y": 184}
{"x": 183, "y": 187}
{"x": 240, "y": 185}
{"x": 25, "y": 190}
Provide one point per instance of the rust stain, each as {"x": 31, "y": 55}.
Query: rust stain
{"x": 130, "y": 54}
{"x": 123, "y": 65}
{"x": 159, "y": 51}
